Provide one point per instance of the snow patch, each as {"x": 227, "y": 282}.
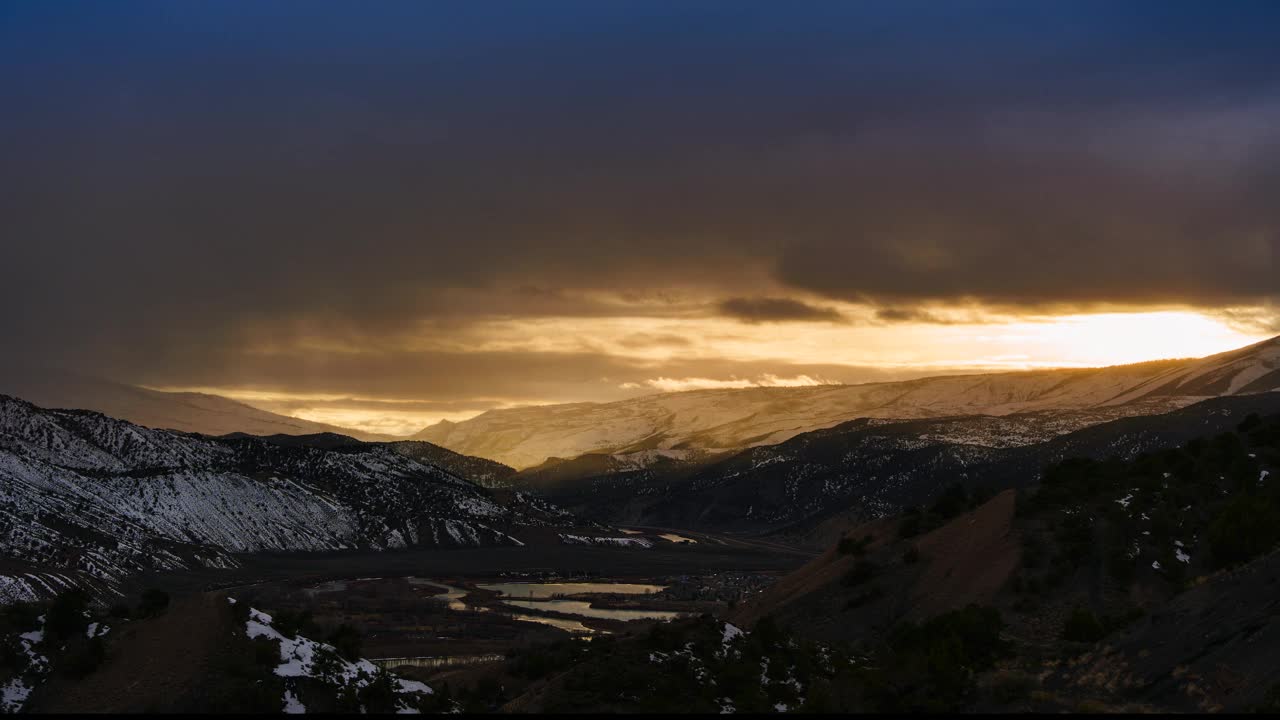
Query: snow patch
{"x": 291, "y": 704}
{"x": 606, "y": 541}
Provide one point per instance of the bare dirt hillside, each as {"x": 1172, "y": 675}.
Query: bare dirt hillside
{"x": 155, "y": 665}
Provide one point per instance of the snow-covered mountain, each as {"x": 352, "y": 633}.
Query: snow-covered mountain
{"x": 1252, "y": 369}
{"x": 485, "y": 473}
{"x": 101, "y": 498}
{"x": 724, "y": 419}
{"x": 185, "y": 411}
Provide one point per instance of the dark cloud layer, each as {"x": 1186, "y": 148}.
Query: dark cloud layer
{"x": 758, "y": 310}
{"x": 174, "y": 173}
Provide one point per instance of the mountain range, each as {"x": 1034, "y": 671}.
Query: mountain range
{"x": 184, "y": 411}
{"x": 720, "y": 420}
{"x": 86, "y": 499}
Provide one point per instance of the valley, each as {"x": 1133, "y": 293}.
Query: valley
{"x": 650, "y": 357}
{"x": 445, "y": 581}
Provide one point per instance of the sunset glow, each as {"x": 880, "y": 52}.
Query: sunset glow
{"x": 842, "y": 352}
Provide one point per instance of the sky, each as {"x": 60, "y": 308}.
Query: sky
{"x": 385, "y": 214}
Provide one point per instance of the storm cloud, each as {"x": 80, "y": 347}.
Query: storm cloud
{"x": 189, "y": 188}
{"x": 757, "y": 310}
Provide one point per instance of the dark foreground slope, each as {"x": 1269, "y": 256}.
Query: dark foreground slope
{"x": 201, "y": 654}
{"x": 1139, "y": 585}
{"x": 1145, "y": 584}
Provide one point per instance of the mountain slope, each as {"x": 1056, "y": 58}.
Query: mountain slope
{"x": 1145, "y": 584}
{"x": 182, "y": 411}
{"x": 485, "y": 473}
{"x": 1251, "y": 369}
{"x": 727, "y": 419}
{"x": 866, "y": 469}
{"x": 85, "y": 493}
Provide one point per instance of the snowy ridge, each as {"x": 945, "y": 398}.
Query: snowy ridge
{"x": 637, "y": 430}
{"x": 1252, "y": 369}
{"x": 568, "y": 539}
{"x": 83, "y": 492}
{"x": 184, "y": 411}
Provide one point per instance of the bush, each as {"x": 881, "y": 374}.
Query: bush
{"x": 291, "y": 623}
{"x": 1246, "y": 527}
{"x": 954, "y": 500}
{"x": 930, "y": 667}
{"x": 346, "y": 640}
{"x": 861, "y": 572}
{"x": 850, "y": 546}
{"x": 265, "y": 652}
{"x": 911, "y": 526}
{"x": 239, "y": 612}
{"x": 154, "y": 602}
{"x": 976, "y": 629}
{"x": 84, "y": 658}
{"x": 1012, "y": 687}
{"x": 13, "y": 660}
{"x": 241, "y": 679}
{"x": 379, "y": 696}
{"x": 21, "y": 615}
{"x": 871, "y": 595}
{"x": 66, "y": 616}
{"x": 1083, "y": 626}
{"x": 1271, "y": 702}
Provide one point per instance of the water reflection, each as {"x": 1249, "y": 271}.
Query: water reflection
{"x": 549, "y": 590}
{"x": 583, "y": 608}
{"x": 571, "y": 626}
{"x": 452, "y": 595}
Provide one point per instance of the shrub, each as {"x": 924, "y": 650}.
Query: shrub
{"x": 1083, "y": 626}
{"x": 1271, "y": 702}
{"x": 930, "y": 667}
{"x": 154, "y": 602}
{"x": 954, "y": 500}
{"x": 850, "y": 546}
{"x": 292, "y": 622}
{"x": 910, "y": 526}
{"x": 239, "y": 612}
{"x": 861, "y": 572}
{"x": 346, "y": 640}
{"x": 1011, "y": 687}
{"x": 84, "y": 658}
{"x": 871, "y": 595}
{"x": 1246, "y": 527}
{"x": 22, "y": 615}
{"x": 379, "y": 696}
{"x": 66, "y": 615}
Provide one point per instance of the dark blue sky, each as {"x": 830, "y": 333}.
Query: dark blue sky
{"x": 364, "y": 160}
